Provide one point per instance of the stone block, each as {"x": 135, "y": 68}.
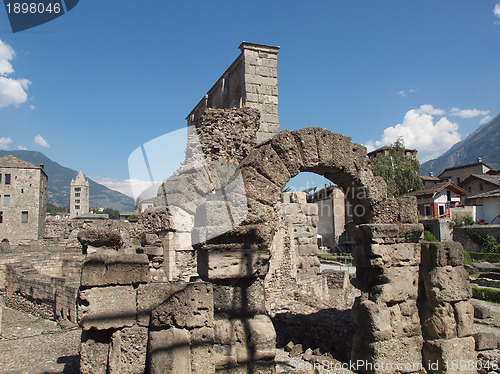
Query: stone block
{"x": 105, "y": 308}
{"x": 308, "y": 249}
{"x": 373, "y": 320}
{"x": 259, "y": 187}
{"x": 119, "y": 269}
{"x": 411, "y": 232}
{"x": 99, "y": 238}
{"x": 386, "y": 255}
{"x": 169, "y": 351}
{"x": 214, "y": 213}
{"x": 306, "y": 140}
{"x": 233, "y": 263}
{"x": 153, "y": 250}
{"x": 486, "y": 341}
{"x": 374, "y": 233}
{"x": 182, "y": 221}
{"x": 438, "y": 321}
{"x": 447, "y": 284}
{"x": 189, "y": 308}
{"x": 94, "y": 349}
{"x": 224, "y": 356}
{"x": 396, "y": 284}
{"x": 408, "y": 212}
{"x": 401, "y": 355}
{"x": 127, "y": 352}
{"x": 309, "y": 209}
{"x": 149, "y": 239}
{"x": 202, "y": 348}
{"x": 437, "y": 353}
{"x": 152, "y": 295}
{"x": 288, "y": 150}
{"x": 440, "y": 254}
{"x": 246, "y": 297}
{"x": 267, "y": 162}
{"x": 464, "y": 316}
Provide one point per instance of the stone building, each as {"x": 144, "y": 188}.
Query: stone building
{"x": 23, "y": 204}
{"x": 79, "y": 196}
{"x": 251, "y": 81}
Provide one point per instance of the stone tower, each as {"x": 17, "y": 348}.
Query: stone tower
{"x": 79, "y": 196}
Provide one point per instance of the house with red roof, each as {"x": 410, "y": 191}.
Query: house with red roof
{"x": 435, "y": 200}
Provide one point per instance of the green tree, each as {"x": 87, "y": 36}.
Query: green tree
{"x": 113, "y": 214}
{"x": 54, "y": 209}
{"x": 400, "y": 172}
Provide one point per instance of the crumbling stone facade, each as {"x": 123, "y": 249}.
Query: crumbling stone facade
{"x": 215, "y": 319}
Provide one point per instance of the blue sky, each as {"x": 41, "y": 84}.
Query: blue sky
{"x": 93, "y": 85}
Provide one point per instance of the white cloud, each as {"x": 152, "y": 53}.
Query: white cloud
{"x": 405, "y": 93}
{"x": 421, "y": 132}
{"x": 32, "y": 107}
{"x": 39, "y": 140}
{"x": 6, "y": 54}
{"x": 127, "y": 186}
{"x": 496, "y": 10}
{"x": 12, "y": 91}
{"x": 485, "y": 120}
{"x": 4, "y": 142}
{"x": 429, "y": 109}
{"x": 22, "y": 148}
{"x": 468, "y": 113}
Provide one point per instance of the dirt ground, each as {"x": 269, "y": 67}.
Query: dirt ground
{"x": 33, "y": 345}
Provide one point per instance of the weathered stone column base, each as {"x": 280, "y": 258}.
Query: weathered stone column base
{"x": 450, "y": 356}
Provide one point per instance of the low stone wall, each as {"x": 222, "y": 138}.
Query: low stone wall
{"x": 460, "y": 235}
{"x": 43, "y": 283}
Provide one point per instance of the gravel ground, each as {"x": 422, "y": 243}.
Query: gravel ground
{"x": 33, "y": 345}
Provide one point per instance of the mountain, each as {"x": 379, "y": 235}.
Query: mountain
{"x": 484, "y": 143}
{"x": 60, "y": 178}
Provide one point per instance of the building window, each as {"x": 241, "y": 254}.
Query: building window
{"x": 458, "y": 180}
{"x": 77, "y": 201}
{"x": 441, "y": 210}
{"x": 22, "y": 190}
{"x": 0, "y": 178}
{"x": 77, "y": 206}
{"x": 77, "y": 189}
{"x": 7, "y": 178}
{"x": 470, "y": 189}
{"x": 24, "y": 217}
{"x": 1, "y": 217}
{"x": 6, "y": 199}
{"x": 77, "y": 194}
{"x": 481, "y": 187}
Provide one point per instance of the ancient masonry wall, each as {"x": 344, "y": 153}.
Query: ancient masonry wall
{"x": 43, "y": 282}
{"x": 294, "y": 282}
{"x": 251, "y": 81}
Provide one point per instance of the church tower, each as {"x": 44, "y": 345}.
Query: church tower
{"x": 79, "y": 196}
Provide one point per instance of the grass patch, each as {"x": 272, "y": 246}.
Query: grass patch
{"x": 38, "y": 320}
{"x": 490, "y": 257}
{"x": 487, "y": 294}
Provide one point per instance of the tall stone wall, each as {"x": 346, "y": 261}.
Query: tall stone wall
{"x": 252, "y": 82}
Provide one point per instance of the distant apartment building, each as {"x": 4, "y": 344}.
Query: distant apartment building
{"x": 458, "y": 174}
{"x": 79, "y": 200}
{"x": 411, "y": 153}
{"x": 23, "y": 200}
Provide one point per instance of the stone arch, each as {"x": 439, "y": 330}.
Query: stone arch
{"x": 268, "y": 168}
